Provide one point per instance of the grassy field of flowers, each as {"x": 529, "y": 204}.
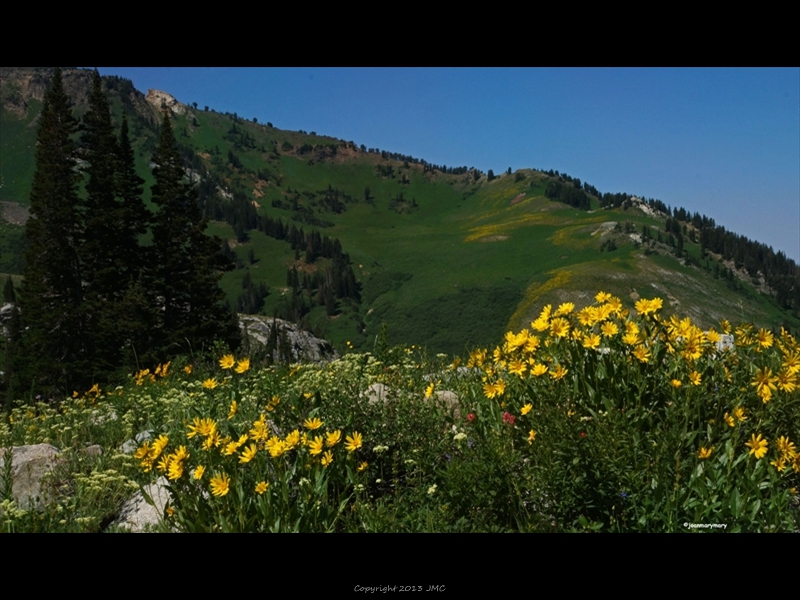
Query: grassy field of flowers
{"x": 588, "y": 420}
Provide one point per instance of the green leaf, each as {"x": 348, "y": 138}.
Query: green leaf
{"x": 754, "y": 510}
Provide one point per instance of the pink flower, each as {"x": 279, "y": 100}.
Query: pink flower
{"x": 508, "y": 418}
{"x": 583, "y": 434}
{"x": 471, "y": 417}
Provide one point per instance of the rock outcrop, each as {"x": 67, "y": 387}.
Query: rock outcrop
{"x": 300, "y": 344}
{"x": 158, "y": 99}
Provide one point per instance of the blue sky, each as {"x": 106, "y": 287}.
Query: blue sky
{"x": 724, "y": 142}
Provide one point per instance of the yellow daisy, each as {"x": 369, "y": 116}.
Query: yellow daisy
{"x": 705, "y": 452}
{"x": 248, "y": 454}
{"x": 220, "y": 485}
{"x": 315, "y": 446}
{"x": 758, "y": 446}
{"x": 353, "y": 443}
{"x": 312, "y": 424}
{"x": 227, "y": 361}
{"x": 332, "y": 438}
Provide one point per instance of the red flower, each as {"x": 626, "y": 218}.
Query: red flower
{"x": 583, "y": 434}
{"x": 471, "y": 417}
{"x": 508, "y": 418}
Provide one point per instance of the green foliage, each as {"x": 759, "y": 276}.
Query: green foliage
{"x": 550, "y": 432}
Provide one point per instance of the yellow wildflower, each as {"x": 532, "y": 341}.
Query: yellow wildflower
{"x": 227, "y": 361}
{"x": 564, "y": 309}
{"x": 526, "y": 409}
{"x": 591, "y": 341}
{"x": 332, "y": 438}
{"x": 602, "y": 297}
{"x": 261, "y": 487}
{"x": 175, "y": 470}
{"x": 210, "y": 384}
{"x": 220, "y": 484}
{"x": 609, "y": 329}
{"x": 539, "y": 369}
{"x": 786, "y": 448}
{"x": 233, "y": 409}
{"x": 292, "y": 439}
{"x": 248, "y": 454}
{"x": 765, "y": 383}
{"x": 786, "y": 381}
{"x": 517, "y": 367}
{"x": 758, "y": 446}
{"x": 764, "y": 338}
{"x": 315, "y": 446}
{"x": 312, "y": 424}
{"x": 327, "y": 458}
{"x": 559, "y": 327}
{"x": 353, "y": 443}
{"x": 242, "y": 365}
{"x": 705, "y": 452}
{"x": 642, "y": 354}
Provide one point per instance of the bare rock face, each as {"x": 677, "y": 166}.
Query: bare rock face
{"x": 159, "y": 99}
{"x": 28, "y": 465}
{"x": 288, "y": 338}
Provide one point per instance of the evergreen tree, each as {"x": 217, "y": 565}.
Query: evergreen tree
{"x": 186, "y": 263}
{"x": 102, "y": 261}
{"x": 9, "y": 295}
{"x": 133, "y": 214}
{"x": 52, "y": 357}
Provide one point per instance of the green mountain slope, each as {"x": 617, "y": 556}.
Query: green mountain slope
{"x": 444, "y": 259}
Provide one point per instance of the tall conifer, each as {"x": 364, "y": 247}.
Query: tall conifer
{"x": 102, "y": 261}
{"x": 53, "y": 355}
{"x": 115, "y": 217}
{"x": 186, "y": 262}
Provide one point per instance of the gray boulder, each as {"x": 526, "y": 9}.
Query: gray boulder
{"x": 137, "y": 515}
{"x": 29, "y": 464}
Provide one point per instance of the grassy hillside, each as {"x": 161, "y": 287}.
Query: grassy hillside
{"x": 444, "y": 260}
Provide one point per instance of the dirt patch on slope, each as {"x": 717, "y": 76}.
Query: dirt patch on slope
{"x": 519, "y": 198}
{"x": 14, "y": 213}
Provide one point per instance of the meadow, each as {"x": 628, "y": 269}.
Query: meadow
{"x": 599, "y": 419}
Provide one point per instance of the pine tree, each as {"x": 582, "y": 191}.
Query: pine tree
{"x": 186, "y": 262}
{"x": 102, "y": 261}
{"x": 52, "y": 357}
{"x": 134, "y": 217}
